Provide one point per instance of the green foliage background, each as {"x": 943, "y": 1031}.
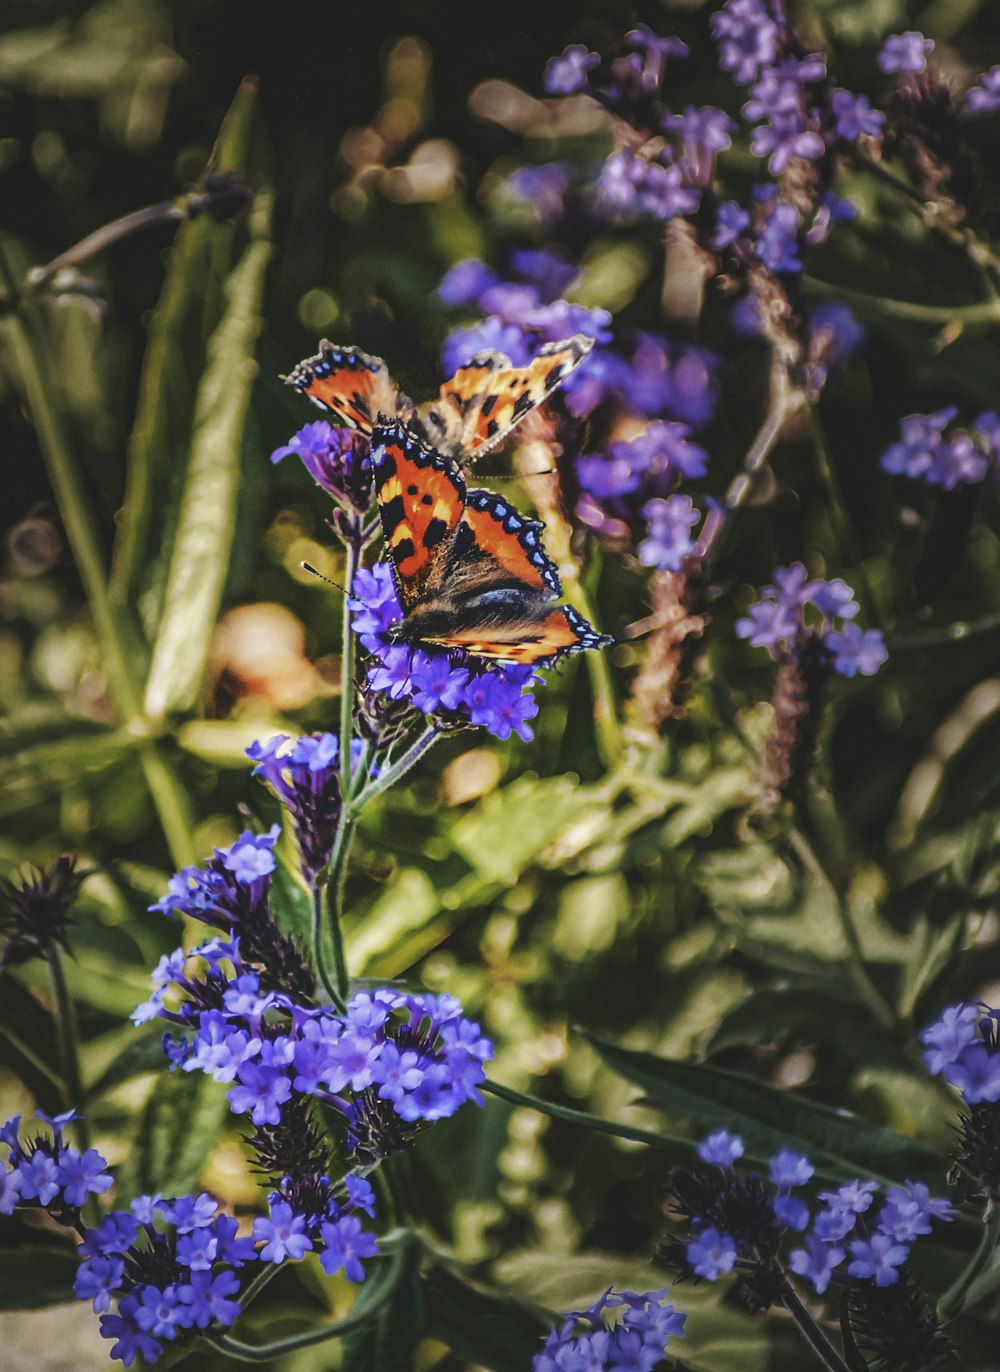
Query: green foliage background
{"x": 582, "y": 880}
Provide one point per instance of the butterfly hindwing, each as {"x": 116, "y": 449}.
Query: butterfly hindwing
{"x": 421, "y": 499}
{"x": 538, "y": 640}
{"x": 484, "y": 400}
{"x": 347, "y": 382}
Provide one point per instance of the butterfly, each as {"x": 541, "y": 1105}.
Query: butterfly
{"x": 474, "y": 412}
{"x": 469, "y": 569}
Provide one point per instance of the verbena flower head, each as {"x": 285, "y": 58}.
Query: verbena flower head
{"x": 338, "y": 460}
{"x": 34, "y": 911}
{"x": 451, "y": 688}
{"x": 932, "y": 449}
{"x": 306, "y": 779}
{"x": 588, "y": 1342}
{"x": 44, "y": 1171}
{"x": 778, "y": 621}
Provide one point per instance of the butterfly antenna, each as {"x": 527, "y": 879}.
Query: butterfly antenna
{"x": 308, "y": 567}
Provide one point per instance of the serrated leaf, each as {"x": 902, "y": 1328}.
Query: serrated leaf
{"x": 31, "y": 1277}
{"x": 491, "y": 1330}
{"x": 769, "y": 1119}
{"x": 179, "y": 1129}
{"x": 199, "y": 557}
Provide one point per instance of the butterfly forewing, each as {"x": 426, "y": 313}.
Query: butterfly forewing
{"x": 508, "y": 542}
{"x": 484, "y": 400}
{"x": 354, "y": 387}
{"x": 421, "y": 499}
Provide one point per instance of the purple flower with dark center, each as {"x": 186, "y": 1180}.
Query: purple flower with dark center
{"x": 161, "y": 1312}
{"x": 984, "y": 97}
{"x": 261, "y": 1092}
{"x": 198, "y": 1250}
{"x": 567, "y": 73}
{"x": 721, "y": 1148}
{"x": 465, "y": 282}
{"x": 711, "y": 1253}
{"x": 856, "y": 650}
{"x": 96, "y": 1280}
{"x": 816, "y": 1262}
{"x": 131, "y": 1340}
{"x": 437, "y": 685}
{"x": 336, "y": 459}
{"x": 39, "y": 1178}
{"x": 853, "y": 116}
{"x": 747, "y": 38}
{"x": 346, "y": 1244}
{"x": 115, "y": 1234}
{"x": 284, "y": 1233}
{"x": 668, "y": 540}
{"x": 906, "y": 52}
{"x": 307, "y": 781}
{"x": 878, "y": 1258}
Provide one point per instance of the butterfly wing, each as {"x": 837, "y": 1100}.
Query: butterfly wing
{"x": 354, "y": 387}
{"x": 483, "y": 401}
{"x": 421, "y": 500}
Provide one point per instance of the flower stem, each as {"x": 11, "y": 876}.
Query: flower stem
{"x": 783, "y": 401}
{"x": 69, "y": 1059}
{"x": 811, "y": 1331}
{"x": 334, "y": 888}
{"x": 952, "y": 1303}
{"x": 96, "y": 242}
{"x": 319, "y": 944}
{"x": 397, "y": 769}
{"x": 979, "y": 312}
{"x": 373, "y": 1296}
{"x": 347, "y": 669}
{"x": 600, "y": 1126}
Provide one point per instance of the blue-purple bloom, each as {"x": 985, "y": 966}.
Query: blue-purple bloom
{"x": 854, "y": 116}
{"x": 721, "y": 1148}
{"x": 567, "y": 73}
{"x": 585, "y": 1343}
{"x": 778, "y": 622}
{"x": 337, "y": 460}
{"x": 711, "y": 1253}
{"x": 306, "y": 779}
{"x": 668, "y": 538}
{"x": 984, "y": 96}
{"x": 905, "y": 52}
{"x": 931, "y": 449}
{"x": 747, "y": 37}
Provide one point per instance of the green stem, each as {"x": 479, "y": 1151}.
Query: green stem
{"x": 336, "y": 877}
{"x": 72, "y": 1083}
{"x": 867, "y": 989}
{"x": 397, "y": 769}
{"x": 782, "y": 402}
{"x": 172, "y": 805}
{"x": 980, "y": 312}
{"x": 947, "y": 633}
{"x": 952, "y": 1303}
{"x": 319, "y": 944}
{"x": 374, "y": 1295}
{"x": 347, "y": 672}
{"x": 606, "y": 722}
{"x": 103, "y": 237}
{"x": 837, "y": 507}
{"x": 600, "y": 1126}
{"x": 811, "y": 1331}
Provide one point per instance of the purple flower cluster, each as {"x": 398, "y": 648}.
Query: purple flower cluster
{"x": 172, "y": 1264}
{"x": 636, "y": 1341}
{"x": 640, "y": 475}
{"x": 496, "y": 698}
{"x": 932, "y": 449}
{"x": 307, "y": 781}
{"x": 338, "y": 460}
{"x": 905, "y": 52}
{"x": 734, "y": 1219}
{"x": 778, "y": 622}
{"x": 963, "y": 1046}
{"x": 391, "y": 1063}
{"x": 231, "y": 887}
{"x": 45, "y": 1171}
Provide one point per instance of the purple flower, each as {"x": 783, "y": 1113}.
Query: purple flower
{"x": 544, "y": 188}
{"x": 550, "y": 273}
{"x": 97, "y": 1278}
{"x": 656, "y": 51}
{"x": 336, "y": 459}
{"x": 283, "y": 1231}
{"x": 635, "y": 1344}
{"x": 560, "y": 319}
{"x": 465, "y": 282}
{"x": 976, "y": 1074}
{"x": 711, "y": 1253}
{"x": 816, "y": 1262}
{"x": 490, "y": 334}
{"x": 832, "y": 335}
{"x": 731, "y": 222}
{"x": 346, "y": 1244}
{"x": 767, "y": 624}
{"x": 567, "y": 73}
{"x": 82, "y": 1175}
{"x": 721, "y": 1148}
{"x": 908, "y": 1212}
{"x": 905, "y": 52}
{"x": 856, "y": 650}
{"x": 250, "y": 856}
{"x": 208, "y": 1297}
{"x": 261, "y": 1092}
{"x": 949, "y": 1036}
{"x": 791, "y": 1212}
{"x": 131, "y": 1339}
{"x": 877, "y": 1257}
{"x": 788, "y": 1168}
{"x": 39, "y": 1178}
{"x": 747, "y": 38}
{"x": 854, "y": 1198}
{"x": 984, "y": 97}
{"x": 307, "y": 781}
{"x": 115, "y": 1233}
{"x": 668, "y": 540}
{"x": 854, "y": 116}
{"x": 777, "y": 244}
{"x": 703, "y": 132}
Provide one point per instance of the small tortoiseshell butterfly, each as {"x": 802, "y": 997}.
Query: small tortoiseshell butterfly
{"x": 469, "y": 569}
{"x": 474, "y": 412}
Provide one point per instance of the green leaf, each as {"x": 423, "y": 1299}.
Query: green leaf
{"x": 143, "y": 1053}
{"x": 509, "y": 829}
{"x": 164, "y": 383}
{"x": 387, "y": 1342}
{"x": 199, "y": 557}
{"x": 488, "y": 1329}
{"x": 33, "y": 1277}
{"x": 769, "y": 1119}
{"x": 29, "y": 1043}
{"x": 179, "y": 1128}
{"x": 771, "y": 1015}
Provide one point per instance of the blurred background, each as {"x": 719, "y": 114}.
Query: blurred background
{"x": 528, "y": 879}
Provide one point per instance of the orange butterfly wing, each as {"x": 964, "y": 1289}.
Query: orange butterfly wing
{"x": 353, "y": 386}
{"x": 484, "y": 400}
